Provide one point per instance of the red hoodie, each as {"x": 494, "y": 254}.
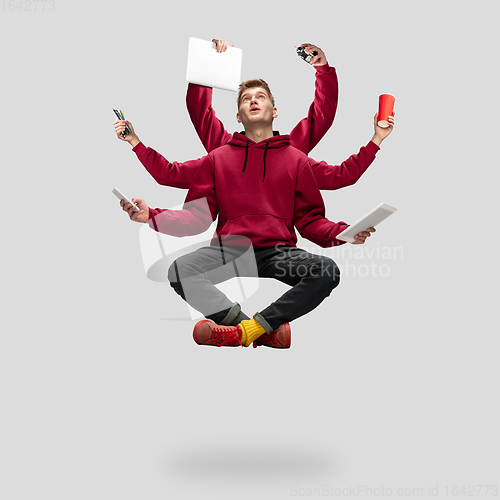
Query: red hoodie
{"x": 258, "y": 190}
{"x": 306, "y": 134}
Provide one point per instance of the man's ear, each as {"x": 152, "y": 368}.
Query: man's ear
{"x": 238, "y": 119}
{"x": 275, "y": 112}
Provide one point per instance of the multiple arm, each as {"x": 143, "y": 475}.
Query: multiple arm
{"x": 306, "y": 134}
{"x": 199, "y": 210}
{"x": 209, "y": 128}
{"x": 310, "y": 130}
{"x": 309, "y": 213}
{"x": 179, "y": 175}
{"x": 349, "y": 171}
{"x": 330, "y": 177}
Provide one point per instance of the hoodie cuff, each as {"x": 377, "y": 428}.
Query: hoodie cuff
{"x": 323, "y": 69}
{"x": 372, "y": 147}
{"x": 152, "y": 216}
{"x": 140, "y": 148}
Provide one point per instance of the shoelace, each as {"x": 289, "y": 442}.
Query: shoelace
{"x": 224, "y": 335}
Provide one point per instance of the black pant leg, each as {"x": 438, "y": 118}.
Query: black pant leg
{"x": 312, "y": 278}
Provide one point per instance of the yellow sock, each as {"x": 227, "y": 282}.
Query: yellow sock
{"x": 251, "y": 330}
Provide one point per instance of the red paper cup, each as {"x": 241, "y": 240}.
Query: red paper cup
{"x": 385, "y": 109}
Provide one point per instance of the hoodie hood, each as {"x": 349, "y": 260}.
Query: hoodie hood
{"x": 239, "y": 139}
{"x": 242, "y": 141}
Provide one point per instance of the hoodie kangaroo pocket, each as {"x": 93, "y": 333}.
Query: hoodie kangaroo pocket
{"x": 262, "y": 229}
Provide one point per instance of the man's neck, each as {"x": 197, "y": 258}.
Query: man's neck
{"x": 259, "y": 134}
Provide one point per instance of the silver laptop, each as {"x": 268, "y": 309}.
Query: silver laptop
{"x": 206, "y": 66}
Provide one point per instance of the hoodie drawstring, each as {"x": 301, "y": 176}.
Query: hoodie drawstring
{"x": 265, "y": 153}
{"x": 246, "y": 158}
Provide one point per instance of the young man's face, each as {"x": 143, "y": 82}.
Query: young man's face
{"x": 256, "y": 108}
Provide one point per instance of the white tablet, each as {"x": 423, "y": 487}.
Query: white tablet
{"x": 371, "y": 219}
{"x": 206, "y": 66}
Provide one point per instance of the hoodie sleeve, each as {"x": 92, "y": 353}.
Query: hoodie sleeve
{"x": 309, "y": 212}
{"x": 209, "y": 128}
{"x": 179, "y": 175}
{"x": 309, "y": 131}
{"x": 348, "y": 172}
{"x": 199, "y": 210}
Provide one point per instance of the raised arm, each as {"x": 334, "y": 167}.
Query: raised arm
{"x": 209, "y": 128}
{"x": 331, "y": 177}
{"x": 310, "y": 130}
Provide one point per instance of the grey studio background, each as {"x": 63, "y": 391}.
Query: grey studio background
{"x": 391, "y": 383}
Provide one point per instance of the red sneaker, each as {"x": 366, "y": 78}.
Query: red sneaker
{"x": 279, "y": 339}
{"x": 207, "y": 332}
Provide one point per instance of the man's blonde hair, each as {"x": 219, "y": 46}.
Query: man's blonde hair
{"x": 251, "y": 84}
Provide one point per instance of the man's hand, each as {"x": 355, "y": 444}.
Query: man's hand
{"x": 221, "y": 45}
{"x": 142, "y": 215}
{"x": 380, "y": 132}
{"x": 131, "y": 138}
{"x": 320, "y": 59}
{"x": 360, "y": 238}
